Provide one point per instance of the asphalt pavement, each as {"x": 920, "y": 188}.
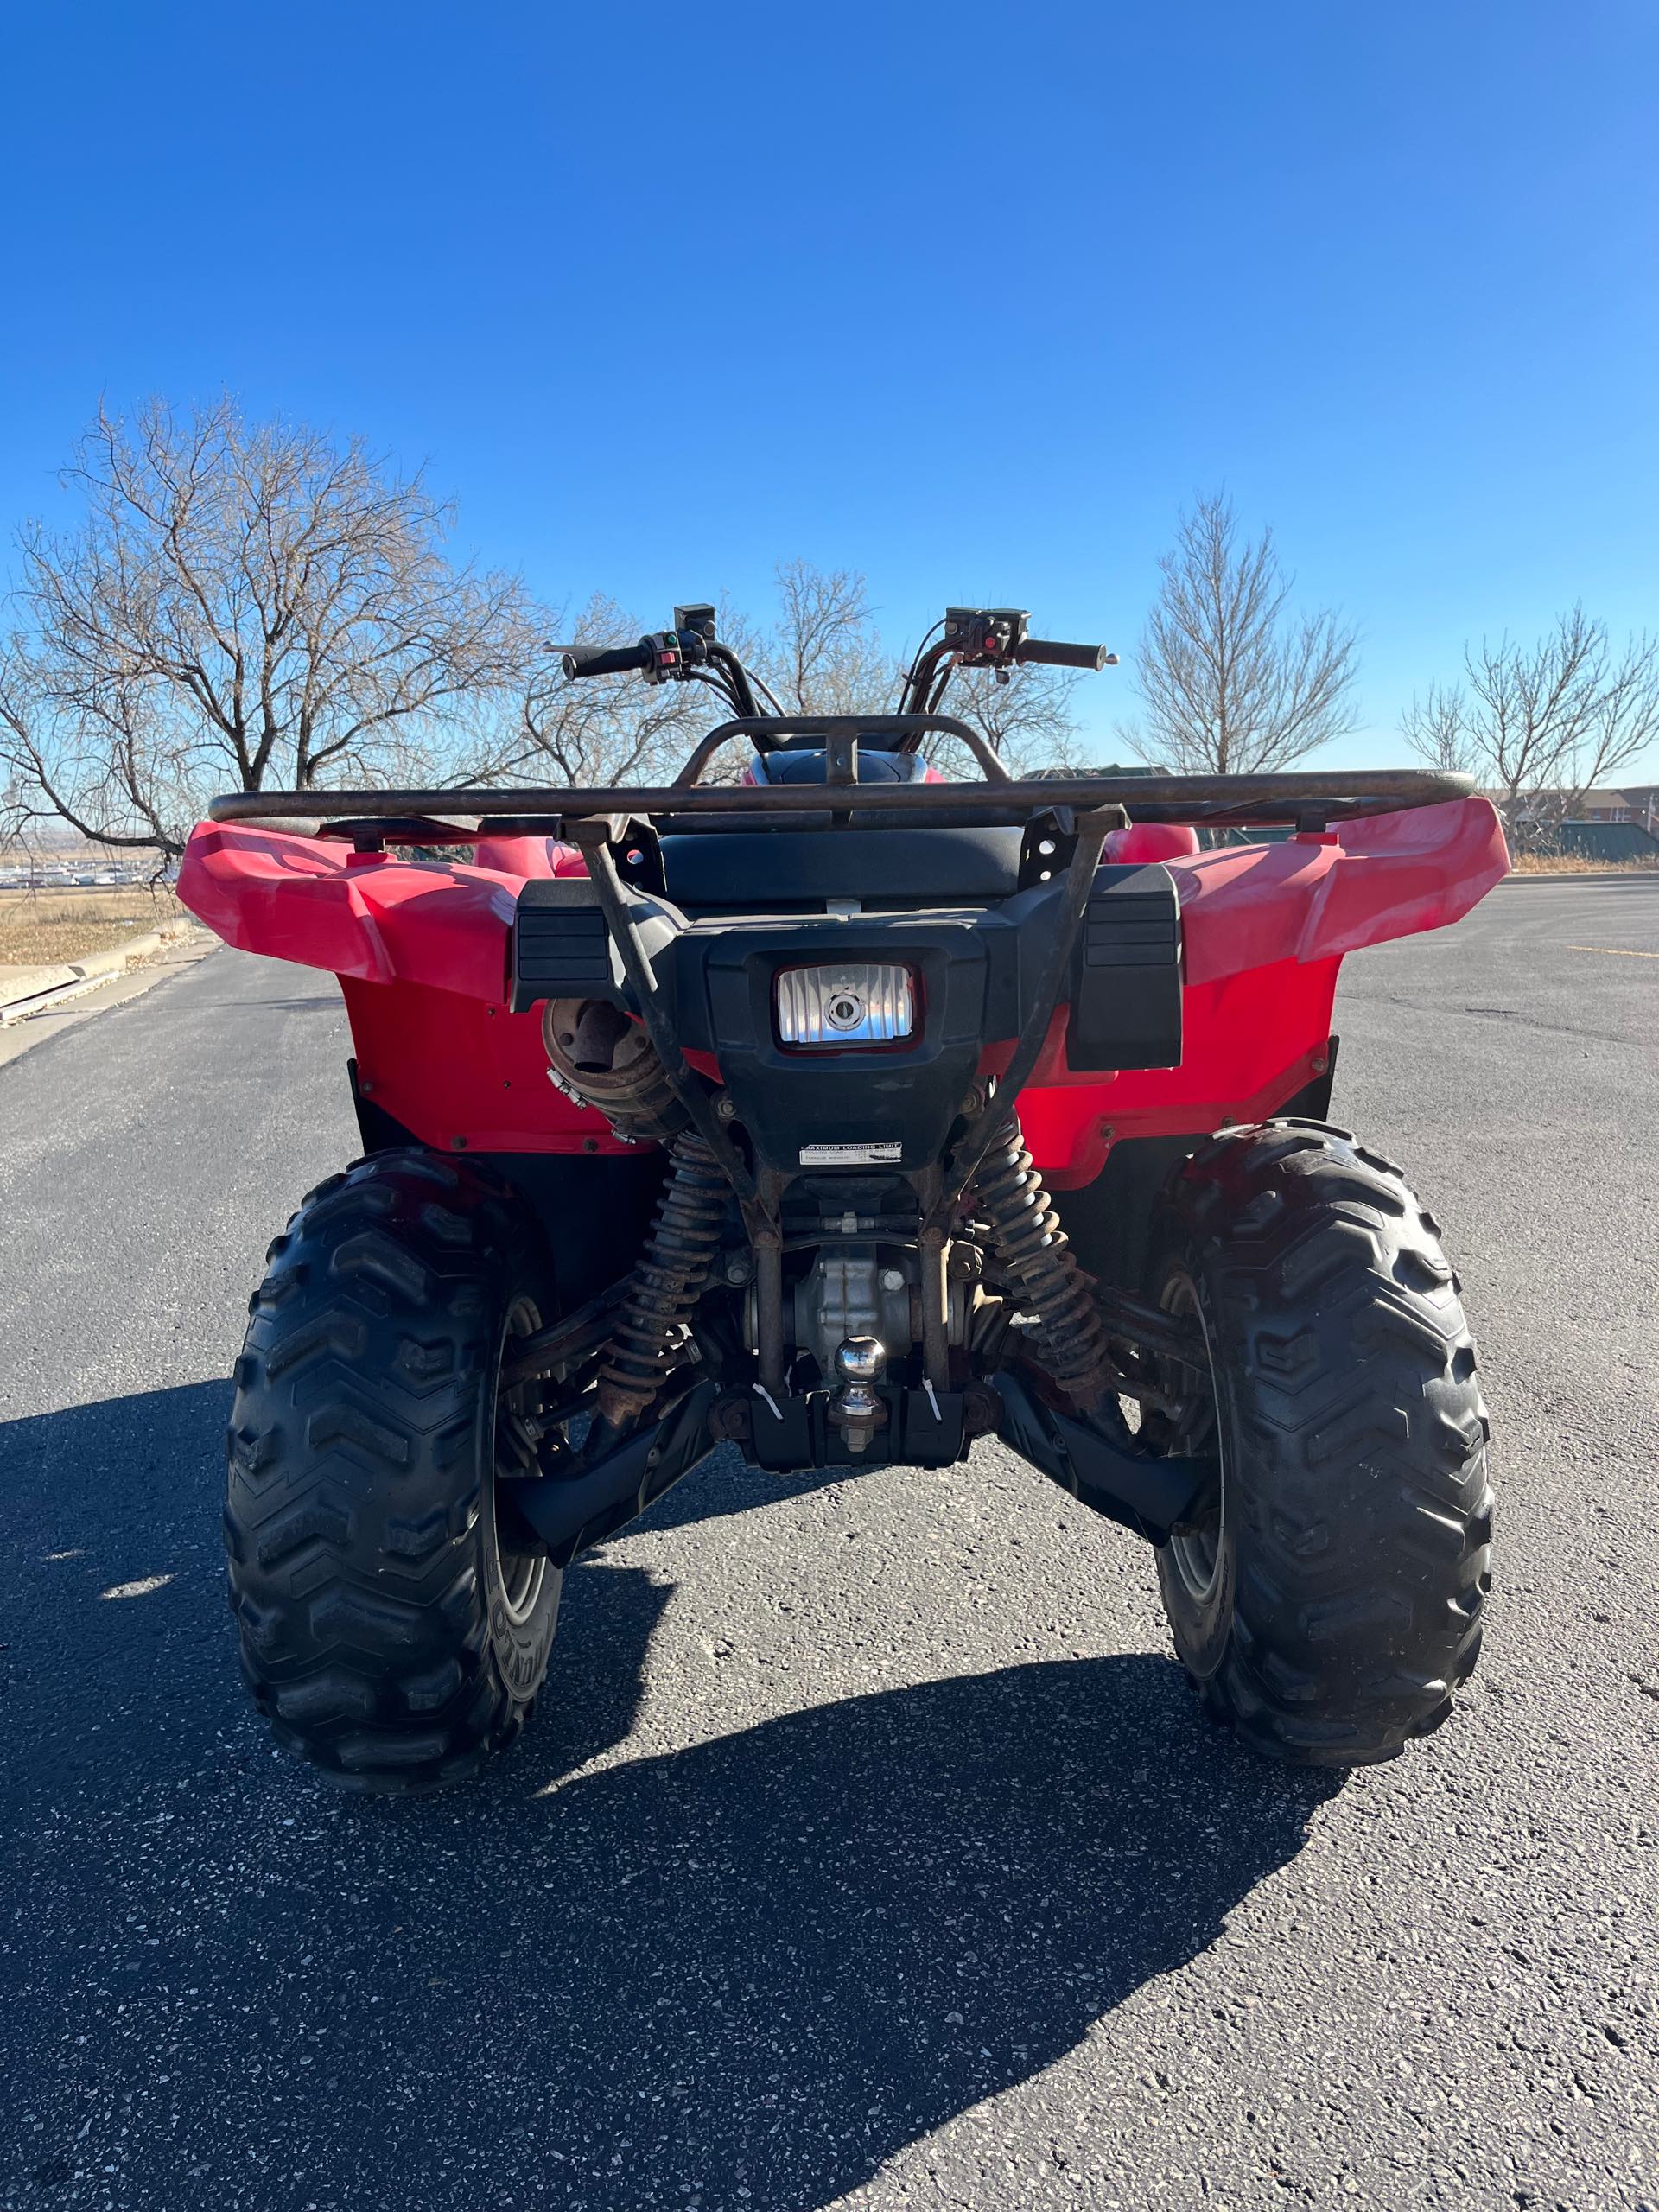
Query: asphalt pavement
{"x": 869, "y": 1848}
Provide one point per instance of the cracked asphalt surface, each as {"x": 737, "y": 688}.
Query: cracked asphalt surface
{"x": 869, "y": 1848}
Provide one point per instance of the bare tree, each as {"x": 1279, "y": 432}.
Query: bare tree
{"x": 823, "y": 655}
{"x": 1542, "y": 724}
{"x": 107, "y": 771}
{"x": 1531, "y": 707}
{"x": 1027, "y": 720}
{"x": 1626, "y": 718}
{"x": 248, "y": 604}
{"x": 1234, "y": 682}
{"x": 614, "y": 729}
{"x": 1436, "y": 727}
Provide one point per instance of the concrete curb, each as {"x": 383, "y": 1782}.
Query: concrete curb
{"x": 96, "y": 968}
{"x": 1601, "y": 875}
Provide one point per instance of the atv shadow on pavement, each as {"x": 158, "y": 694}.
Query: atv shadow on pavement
{"x": 742, "y": 1972}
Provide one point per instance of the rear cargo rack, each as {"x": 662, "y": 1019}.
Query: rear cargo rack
{"x": 456, "y": 817}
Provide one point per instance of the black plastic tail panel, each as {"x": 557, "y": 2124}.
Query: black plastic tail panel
{"x": 560, "y": 948}
{"x": 1126, "y": 1007}
{"x": 976, "y": 972}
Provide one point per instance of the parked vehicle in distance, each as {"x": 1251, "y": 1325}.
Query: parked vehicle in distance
{"x": 845, "y": 1116}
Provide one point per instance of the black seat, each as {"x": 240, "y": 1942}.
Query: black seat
{"x": 774, "y": 870}
{"x": 724, "y": 864}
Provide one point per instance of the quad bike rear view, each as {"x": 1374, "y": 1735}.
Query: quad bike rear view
{"x": 844, "y": 1116}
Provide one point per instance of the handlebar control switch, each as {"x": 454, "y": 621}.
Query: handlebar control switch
{"x": 667, "y": 661}
{"x": 985, "y": 637}
{"x": 675, "y": 652}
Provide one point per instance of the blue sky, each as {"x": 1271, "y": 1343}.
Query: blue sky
{"x": 969, "y": 297}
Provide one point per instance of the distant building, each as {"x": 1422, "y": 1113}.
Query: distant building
{"x": 1604, "y": 806}
{"x": 1639, "y": 804}
{"x": 1602, "y": 824}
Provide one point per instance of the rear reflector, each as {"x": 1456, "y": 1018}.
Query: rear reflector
{"x": 856, "y": 1004}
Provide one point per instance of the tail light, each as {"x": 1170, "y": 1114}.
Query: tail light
{"x": 850, "y": 1003}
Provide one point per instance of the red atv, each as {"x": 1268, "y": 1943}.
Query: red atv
{"x": 844, "y": 1116}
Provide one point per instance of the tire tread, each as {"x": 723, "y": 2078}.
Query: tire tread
{"x": 354, "y": 1456}
{"x": 1358, "y": 1480}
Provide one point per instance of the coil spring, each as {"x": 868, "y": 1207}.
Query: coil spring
{"x": 1026, "y": 1238}
{"x": 668, "y": 1279}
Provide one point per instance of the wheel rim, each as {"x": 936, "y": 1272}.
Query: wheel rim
{"x": 1196, "y": 1547}
{"x": 519, "y": 1576}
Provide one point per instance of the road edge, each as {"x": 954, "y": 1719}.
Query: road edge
{"x": 68, "y": 1006}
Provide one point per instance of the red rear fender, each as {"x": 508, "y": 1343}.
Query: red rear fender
{"x": 422, "y": 948}
{"x": 1316, "y": 896}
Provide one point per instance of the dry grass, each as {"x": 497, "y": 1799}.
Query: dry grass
{"x": 40, "y": 929}
{"x": 1575, "y": 864}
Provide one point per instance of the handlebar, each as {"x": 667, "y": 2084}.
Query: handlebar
{"x": 1055, "y": 655}
{"x": 980, "y": 639}
{"x": 608, "y": 660}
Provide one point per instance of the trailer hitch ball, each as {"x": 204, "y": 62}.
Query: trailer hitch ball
{"x": 860, "y": 1364}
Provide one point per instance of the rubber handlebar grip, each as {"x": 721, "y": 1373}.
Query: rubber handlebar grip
{"x": 607, "y": 660}
{"x": 1055, "y": 655}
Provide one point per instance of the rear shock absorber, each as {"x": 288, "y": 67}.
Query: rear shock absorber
{"x": 668, "y": 1279}
{"x": 1027, "y": 1237}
